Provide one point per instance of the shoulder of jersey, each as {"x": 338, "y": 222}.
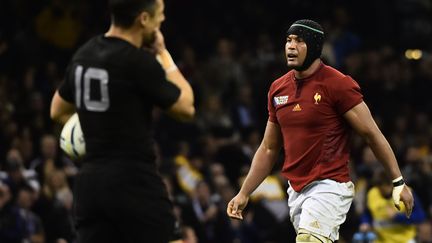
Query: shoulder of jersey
{"x": 332, "y": 72}
{"x": 90, "y": 44}
{"x": 335, "y": 76}
{"x": 88, "y": 50}
{"x": 279, "y": 81}
{"x": 117, "y": 52}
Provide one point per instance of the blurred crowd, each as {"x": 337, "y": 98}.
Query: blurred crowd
{"x": 230, "y": 51}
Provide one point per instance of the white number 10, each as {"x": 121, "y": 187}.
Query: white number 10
{"x": 96, "y": 74}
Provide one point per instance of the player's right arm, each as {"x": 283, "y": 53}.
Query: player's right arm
{"x": 183, "y": 108}
{"x": 61, "y": 110}
{"x": 262, "y": 164}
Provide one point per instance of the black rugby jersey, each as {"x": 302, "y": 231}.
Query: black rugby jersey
{"x": 115, "y": 86}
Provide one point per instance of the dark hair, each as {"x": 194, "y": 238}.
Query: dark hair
{"x": 124, "y": 12}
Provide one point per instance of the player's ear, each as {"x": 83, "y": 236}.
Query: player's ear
{"x": 144, "y": 18}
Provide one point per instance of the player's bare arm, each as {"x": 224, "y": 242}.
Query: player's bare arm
{"x": 362, "y": 122}
{"x": 262, "y": 164}
{"x": 184, "y": 108}
{"x": 61, "y": 110}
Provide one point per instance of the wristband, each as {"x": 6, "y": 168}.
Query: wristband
{"x": 398, "y": 181}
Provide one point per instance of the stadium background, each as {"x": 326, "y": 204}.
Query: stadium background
{"x": 230, "y": 51}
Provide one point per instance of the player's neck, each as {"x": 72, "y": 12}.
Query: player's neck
{"x": 130, "y": 35}
{"x": 308, "y": 72}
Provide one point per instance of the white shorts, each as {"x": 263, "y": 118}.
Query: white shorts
{"x": 321, "y": 207}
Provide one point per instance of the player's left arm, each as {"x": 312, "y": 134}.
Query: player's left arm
{"x": 61, "y": 110}
{"x": 361, "y": 120}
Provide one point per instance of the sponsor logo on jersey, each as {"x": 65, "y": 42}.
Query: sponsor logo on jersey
{"x": 317, "y": 98}
{"x": 280, "y": 100}
{"x": 297, "y": 108}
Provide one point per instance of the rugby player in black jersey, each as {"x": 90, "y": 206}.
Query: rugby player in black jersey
{"x": 113, "y": 83}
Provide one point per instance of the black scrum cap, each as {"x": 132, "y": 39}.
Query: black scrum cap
{"x": 313, "y": 35}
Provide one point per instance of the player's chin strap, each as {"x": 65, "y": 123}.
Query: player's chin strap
{"x": 305, "y": 236}
{"x": 398, "y": 185}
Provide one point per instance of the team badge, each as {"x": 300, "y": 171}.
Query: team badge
{"x": 317, "y": 98}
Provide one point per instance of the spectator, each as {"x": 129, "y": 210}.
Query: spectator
{"x": 16, "y": 175}
{"x": 51, "y": 158}
{"x": 12, "y": 225}
{"x": 56, "y": 218}
{"x": 382, "y": 217}
{"x": 34, "y": 230}
{"x": 206, "y": 218}
{"x": 56, "y": 186}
